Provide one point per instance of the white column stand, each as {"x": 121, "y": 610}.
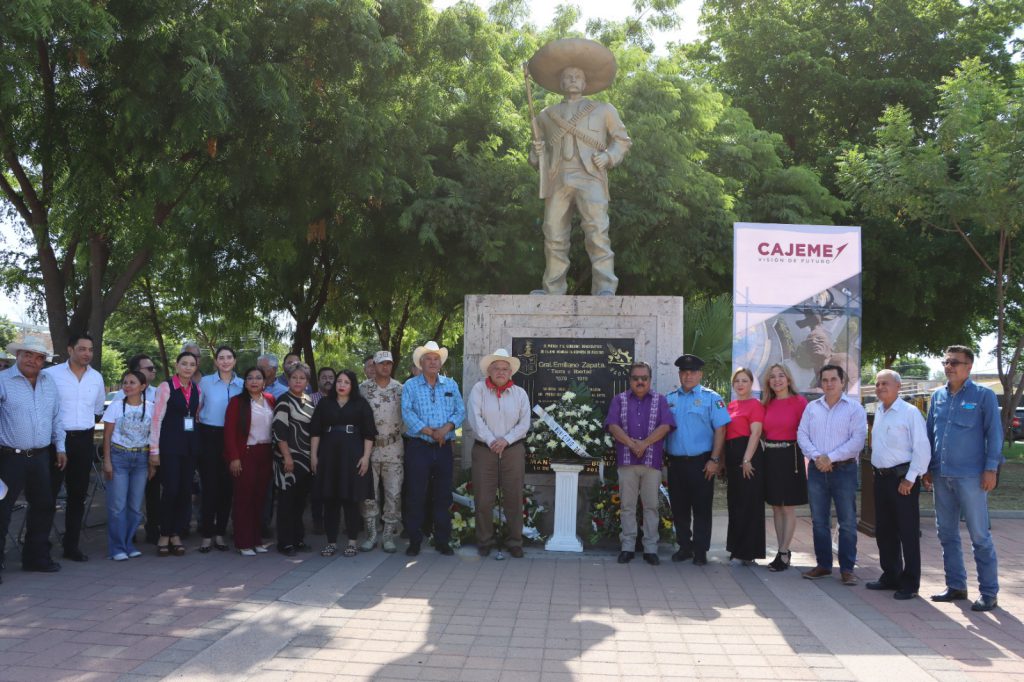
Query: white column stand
{"x": 564, "y": 538}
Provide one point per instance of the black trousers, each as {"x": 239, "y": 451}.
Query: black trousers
{"x": 898, "y": 533}
{"x": 81, "y": 453}
{"x": 216, "y": 484}
{"x": 31, "y": 475}
{"x": 291, "y": 504}
{"x": 176, "y": 473}
{"x": 153, "y": 509}
{"x": 428, "y": 470}
{"x": 745, "y": 538}
{"x": 691, "y": 496}
{"x": 332, "y": 518}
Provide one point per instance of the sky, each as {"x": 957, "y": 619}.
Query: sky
{"x": 541, "y": 12}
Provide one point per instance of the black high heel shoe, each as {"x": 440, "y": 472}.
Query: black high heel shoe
{"x": 779, "y": 564}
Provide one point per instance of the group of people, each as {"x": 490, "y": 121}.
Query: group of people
{"x": 785, "y": 451}
{"x": 382, "y": 452}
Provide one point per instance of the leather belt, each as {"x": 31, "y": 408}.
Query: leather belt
{"x": 384, "y": 441}
{"x": 898, "y": 470}
{"x": 342, "y": 428}
{"x": 843, "y": 462}
{"x": 80, "y": 432}
{"x": 28, "y": 452}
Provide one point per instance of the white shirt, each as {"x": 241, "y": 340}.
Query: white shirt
{"x": 131, "y": 423}
{"x": 259, "y": 423}
{"x": 836, "y": 432}
{"x": 81, "y": 400}
{"x": 492, "y": 417}
{"x": 899, "y": 436}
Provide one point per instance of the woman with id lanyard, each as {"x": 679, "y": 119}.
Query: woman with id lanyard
{"x": 126, "y": 426}
{"x": 174, "y": 447}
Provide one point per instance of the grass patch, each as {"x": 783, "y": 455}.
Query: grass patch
{"x": 1014, "y": 451}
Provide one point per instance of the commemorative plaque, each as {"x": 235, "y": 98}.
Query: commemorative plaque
{"x": 549, "y": 366}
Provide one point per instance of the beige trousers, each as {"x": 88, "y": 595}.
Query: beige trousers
{"x": 643, "y": 482}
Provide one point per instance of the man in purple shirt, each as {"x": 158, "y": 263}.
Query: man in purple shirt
{"x": 639, "y": 420}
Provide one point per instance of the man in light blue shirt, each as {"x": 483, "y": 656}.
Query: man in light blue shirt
{"x": 432, "y": 410}
{"x": 966, "y": 436}
{"x": 29, "y": 424}
{"x": 832, "y": 433}
{"x": 694, "y": 452}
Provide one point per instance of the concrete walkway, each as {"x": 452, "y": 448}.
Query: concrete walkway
{"x": 546, "y": 617}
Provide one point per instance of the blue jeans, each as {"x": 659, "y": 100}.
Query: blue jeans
{"x": 839, "y": 486}
{"x": 125, "y": 494}
{"x": 953, "y": 496}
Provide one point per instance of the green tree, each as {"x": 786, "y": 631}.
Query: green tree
{"x": 963, "y": 178}
{"x": 8, "y": 332}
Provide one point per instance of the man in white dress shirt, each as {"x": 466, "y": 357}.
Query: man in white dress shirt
{"x": 832, "y": 433}
{"x": 499, "y": 414}
{"x": 82, "y": 394}
{"x": 900, "y": 453}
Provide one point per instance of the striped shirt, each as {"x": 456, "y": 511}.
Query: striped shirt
{"x": 836, "y": 432}
{"x": 29, "y": 416}
{"x": 433, "y": 406}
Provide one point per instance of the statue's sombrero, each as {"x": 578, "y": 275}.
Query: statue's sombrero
{"x": 596, "y": 61}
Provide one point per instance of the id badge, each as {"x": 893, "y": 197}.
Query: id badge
{"x": 190, "y": 424}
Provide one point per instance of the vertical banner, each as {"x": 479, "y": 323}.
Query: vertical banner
{"x": 797, "y": 301}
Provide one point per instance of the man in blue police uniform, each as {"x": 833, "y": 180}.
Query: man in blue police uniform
{"x": 694, "y": 458}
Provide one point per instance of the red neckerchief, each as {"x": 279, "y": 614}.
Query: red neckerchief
{"x": 499, "y": 389}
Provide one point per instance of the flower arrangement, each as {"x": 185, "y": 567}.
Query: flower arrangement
{"x": 605, "y": 506}
{"x": 464, "y": 516}
{"x": 575, "y": 412}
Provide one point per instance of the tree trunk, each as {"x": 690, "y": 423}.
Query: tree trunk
{"x": 147, "y": 289}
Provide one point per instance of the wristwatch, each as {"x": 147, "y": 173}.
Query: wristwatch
{"x": 716, "y": 460}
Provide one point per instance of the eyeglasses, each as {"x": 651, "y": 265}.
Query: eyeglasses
{"x": 954, "y": 363}
{"x": 640, "y": 379}
{"x": 151, "y": 368}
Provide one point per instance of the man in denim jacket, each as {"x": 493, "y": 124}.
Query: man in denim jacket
{"x": 967, "y": 439}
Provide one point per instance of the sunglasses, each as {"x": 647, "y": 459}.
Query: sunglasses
{"x": 954, "y": 363}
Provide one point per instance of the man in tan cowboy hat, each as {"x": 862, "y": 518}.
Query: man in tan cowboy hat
{"x": 385, "y": 397}
{"x": 29, "y": 424}
{"x": 581, "y": 140}
{"x": 432, "y": 410}
{"x": 499, "y": 413}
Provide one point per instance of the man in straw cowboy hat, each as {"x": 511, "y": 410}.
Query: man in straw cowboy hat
{"x": 29, "y": 424}
{"x": 575, "y": 143}
{"x": 499, "y": 412}
{"x": 432, "y": 409}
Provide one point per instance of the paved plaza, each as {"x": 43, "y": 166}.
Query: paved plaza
{"x": 545, "y": 617}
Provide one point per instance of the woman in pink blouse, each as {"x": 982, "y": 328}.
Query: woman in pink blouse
{"x": 743, "y": 454}
{"x": 785, "y": 475}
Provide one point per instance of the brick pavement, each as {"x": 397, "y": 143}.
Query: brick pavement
{"x": 547, "y": 617}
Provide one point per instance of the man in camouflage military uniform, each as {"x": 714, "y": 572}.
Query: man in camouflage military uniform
{"x": 385, "y": 396}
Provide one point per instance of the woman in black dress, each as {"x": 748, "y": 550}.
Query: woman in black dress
{"x": 342, "y": 438}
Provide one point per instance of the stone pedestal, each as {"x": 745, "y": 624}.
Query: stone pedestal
{"x": 564, "y": 538}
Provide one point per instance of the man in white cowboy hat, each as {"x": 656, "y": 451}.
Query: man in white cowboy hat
{"x": 385, "y": 396}
{"x": 499, "y": 414}
{"x": 581, "y": 140}
{"x": 432, "y": 409}
{"x": 29, "y": 424}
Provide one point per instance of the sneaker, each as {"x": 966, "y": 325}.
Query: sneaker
{"x": 261, "y": 549}
{"x": 848, "y": 578}
{"x": 120, "y": 556}
{"x": 134, "y": 554}
{"x": 247, "y": 552}
{"x": 817, "y": 572}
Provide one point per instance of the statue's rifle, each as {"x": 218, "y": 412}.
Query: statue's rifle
{"x": 542, "y": 167}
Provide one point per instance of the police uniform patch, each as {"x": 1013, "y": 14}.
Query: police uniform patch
{"x": 720, "y": 403}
